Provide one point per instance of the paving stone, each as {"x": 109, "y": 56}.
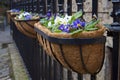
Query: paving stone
{"x": 4, "y": 63}
{"x": 5, "y": 37}
{"x": 0, "y": 45}
{"x": 3, "y": 51}
{"x": 4, "y": 72}
{"x": 6, "y": 78}
{"x": 19, "y": 73}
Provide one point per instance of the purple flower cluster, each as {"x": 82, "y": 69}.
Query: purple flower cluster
{"x": 28, "y": 17}
{"x": 77, "y": 24}
{"x": 64, "y": 28}
{"x": 49, "y": 15}
{"x": 15, "y": 10}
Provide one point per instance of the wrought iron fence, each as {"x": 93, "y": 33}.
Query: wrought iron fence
{"x": 39, "y": 65}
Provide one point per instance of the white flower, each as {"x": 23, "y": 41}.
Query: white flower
{"x": 20, "y": 16}
{"x": 57, "y": 20}
{"x": 26, "y": 13}
{"x": 63, "y": 21}
{"x": 60, "y": 20}
{"x": 67, "y": 18}
{"x": 49, "y": 24}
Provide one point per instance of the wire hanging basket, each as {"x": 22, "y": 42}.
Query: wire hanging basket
{"x": 26, "y": 26}
{"x": 82, "y": 53}
{"x": 11, "y": 15}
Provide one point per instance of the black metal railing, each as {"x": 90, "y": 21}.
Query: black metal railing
{"x": 115, "y": 31}
{"x": 39, "y": 65}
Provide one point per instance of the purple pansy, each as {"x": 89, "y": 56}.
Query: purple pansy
{"x": 61, "y": 27}
{"x": 77, "y": 23}
{"x": 14, "y": 10}
{"x": 64, "y": 28}
{"x": 28, "y": 17}
{"x": 48, "y": 15}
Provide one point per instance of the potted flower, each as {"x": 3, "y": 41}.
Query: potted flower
{"x": 12, "y": 13}
{"x": 78, "y": 45}
{"x": 25, "y": 23}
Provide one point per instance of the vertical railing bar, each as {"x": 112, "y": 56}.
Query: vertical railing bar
{"x": 32, "y": 6}
{"x": 95, "y": 7}
{"x": 48, "y": 68}
{"x": 61, "y": 72}
{"x": 94, "y": 12}
{"x": 93, "y": 77}
{"x": 80, "y": 76}
{"x": 38, "y": 4}
{"x": 60, "y": 5}
{"x": 55, "y": 73}
{"x": 45, "y": 7}
{"x": 24, "y": 5}
{"x": 42, "y": 65}
{"x": 49, "y": 5}
{"x": 52, "y": 69}
{"x": 69, "y": 7}
{"x": 29, "y": 6}
{"x": 40, "y": 62}
{"x": 115, "y": 56}
{"x": 34, "y": 73}
{"x": 80, "y": 6}
{"x": 69, "y": 75}
{"x": 54, "y": 6}
{"x": 46, "y": 74}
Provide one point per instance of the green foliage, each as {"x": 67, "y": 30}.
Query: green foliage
{"x": 76, "y": 16}
{"x": 91, "y": 25}
{"x": 50, "y": 24}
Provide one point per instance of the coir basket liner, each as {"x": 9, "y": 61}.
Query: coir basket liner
{"x": 26, "y": 27}
{"x": 83, "y": 52}
{"x": 11, "y": 15}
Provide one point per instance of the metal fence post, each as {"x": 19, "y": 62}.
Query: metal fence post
{"x": 69, "y": 7}
{"x": 95, "y": 7}
{"x": 115, "y": 30}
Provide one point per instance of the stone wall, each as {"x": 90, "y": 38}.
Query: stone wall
{"x": 104, "y": 10}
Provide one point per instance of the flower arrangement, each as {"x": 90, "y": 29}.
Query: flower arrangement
{"x": 14, "y": 10}
{"x": 69, "y": 24}
{"x": 12, "y": 13}
{"x": 66, "y": 38}
{"x": 27, "y": 16}
{"x": 25, "y": 23}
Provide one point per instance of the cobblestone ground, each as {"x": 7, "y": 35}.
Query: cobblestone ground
{"x": 5, "y": 62}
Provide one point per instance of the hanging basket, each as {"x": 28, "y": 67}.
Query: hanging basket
{"x": 82, "y": 53}
{"x": 26, "y": 27}
{"x": 11, "y": 15}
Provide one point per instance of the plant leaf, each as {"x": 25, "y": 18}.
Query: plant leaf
{"x": 92, "y": 24}
{"x": 75, "y": 16}
{"x": 57, "y": 31}
{"x": 77, "y": 31}
{"x": 91, "y": 29}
